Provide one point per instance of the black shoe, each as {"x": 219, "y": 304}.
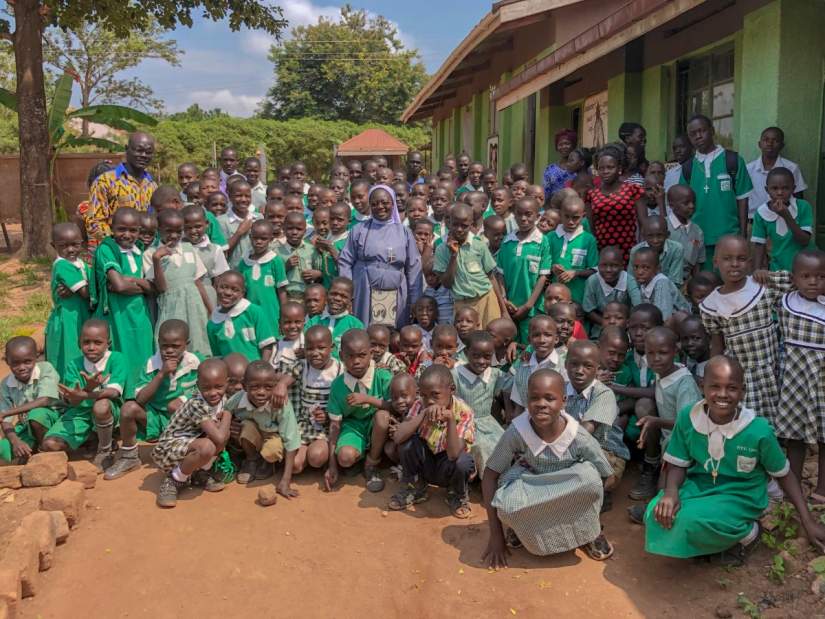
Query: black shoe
{"x": 646, "y": 486}
{"x": 636, "y": 513}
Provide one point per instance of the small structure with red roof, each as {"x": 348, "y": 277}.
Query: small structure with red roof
{"x": 372, "y": 143}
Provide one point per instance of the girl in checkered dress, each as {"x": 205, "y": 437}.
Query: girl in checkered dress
{"x": 739, "y": 316}
{"x": 801, "y": 417}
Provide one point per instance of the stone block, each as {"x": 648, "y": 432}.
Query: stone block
{"x": 61, "y": 526}
{"x": 69, "y": 498}
{"x": 10, "y": 591}
{"x": 45, "y": 469}
{"x": 43, "y": 530}
{"x": 10, "y": 476}
{"x": 84, "y": 472}
{"x": 23, "y": 558}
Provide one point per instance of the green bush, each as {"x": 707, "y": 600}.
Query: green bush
{"x": 307, "y": 139}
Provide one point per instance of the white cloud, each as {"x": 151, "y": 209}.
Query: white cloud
{"x": 234, "y": 104}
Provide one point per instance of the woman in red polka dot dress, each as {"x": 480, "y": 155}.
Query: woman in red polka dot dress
{"x": 615, "y": 208}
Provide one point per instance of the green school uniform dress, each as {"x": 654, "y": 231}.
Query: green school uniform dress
{"x": 213, "y": 230}
{"x": 281, "y": 421}
{"x": 598, "y": 293}
{"x": 130, "y": 323}
{"x": 671, "y": 260}
{"x": 716, "y": 195}
{"x": 575, "y": 251}
{"x": 474, "y": 264}
{"x": 182, "y": 300}
{"x": 68, "y": 314}
{"x": 243, "y": 329}
{"x": 769, "y": 225}
{"x": 229, "y": 223}
{"x": 356, "y": 218}
{"x": 180, "y": 386}
{"x": 521, "y": 262}
{"x": 673, "y": 393}
{"x": 264, "y": 277}
{"x": 77, "y": 424}
{"x": 338, "y": 324}
{"x": 309, "y": 258}
{"x": 722, "y": 509}
{"x": 42, "y": 384}
{"x": 478, "y": 391}
{"x": 356, "y": 421}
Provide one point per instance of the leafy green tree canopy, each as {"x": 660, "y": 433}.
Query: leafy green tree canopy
{"x": 355, "y": 69}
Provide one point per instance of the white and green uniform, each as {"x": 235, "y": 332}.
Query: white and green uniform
{"x": 523, "y": 371}
{"x": 769, "y": 225}
{"x": 77, "y": 424}
{"x": 42, "y": 384}
{"x": 474, "y": 263}
{"x": 308, "y": 257}
{"x": 522, "y": 262}
{"x": 229, "y": 223}
{"x": 180, "y": 386}
{"x": 264, "y": 276}
{"x": 598, "y": 293}
{"x": 69, "y": 313}
{"x": 338, "y": 324}
{"x": 575, "y": 251}
{"x": 243, "y": 329}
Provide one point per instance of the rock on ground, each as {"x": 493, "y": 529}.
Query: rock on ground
{"x": 84, "y": 472}
{"x": 10, "y": 477}
{"x": 69, "y": 498}
{"x": 43, "y": 530}
{"x": 45, "y": 469}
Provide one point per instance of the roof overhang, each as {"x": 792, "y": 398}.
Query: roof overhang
{"x": 629, "y": 22}
{"x": 377, "y": 151}
{"x": 502, "y": 14}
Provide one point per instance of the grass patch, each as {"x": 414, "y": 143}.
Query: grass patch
{"x": 27, "y": 276}
{"x": 35, "y": 312}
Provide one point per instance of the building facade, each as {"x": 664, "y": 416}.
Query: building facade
{"x": 532, "y": 67}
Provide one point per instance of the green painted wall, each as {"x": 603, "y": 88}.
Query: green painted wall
{"x": 543, "y": 140}
{"x": 624, "y": 100}
{"x": 655, "y": 111}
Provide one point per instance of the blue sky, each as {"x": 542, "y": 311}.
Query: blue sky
{"x": 230, "y": 70}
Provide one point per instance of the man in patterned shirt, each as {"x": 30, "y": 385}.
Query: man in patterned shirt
{"x": 129, "y": 184}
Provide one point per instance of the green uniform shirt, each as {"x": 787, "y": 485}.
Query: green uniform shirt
{"x": 229, "y": 223}
{"x": 598, "y": 293}
{"x": 522, "y": 262}
{"x": 264, "y": 276}
{"x": 640, "y": 374}
{"x": 337, "y": 325}
{"x": 475, "y": 263}
{"x": 574, "y": 252}
{"x": 42, "y": 384}
{"x": 671, "y": 260}
{"x": 243, "y": 329}
{"x": 112, "y": 364}
{"x": 716, "y": 195}
{"x": 281, "y": 420}
{"x": 769, "y": 225}
{"x": 69, "y": 313}
{"x": 376, "y": 382}
{"x": 213, "y": 230}
{"x": 180, "y": 386}
{"x": 309, "y": 259}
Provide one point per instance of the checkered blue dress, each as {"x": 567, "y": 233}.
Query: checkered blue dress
{"x": 752, "y": 337}
{"x": 802, "y": 397}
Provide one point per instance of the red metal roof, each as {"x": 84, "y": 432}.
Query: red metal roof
{"x": 372, "y": 142}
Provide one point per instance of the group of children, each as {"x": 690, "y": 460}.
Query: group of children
{"x": 217, "y": 328}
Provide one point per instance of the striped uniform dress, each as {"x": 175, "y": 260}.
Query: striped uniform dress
{"x": 597, "y": 403}
{"x": 523, "y": 372}
{"x": 313, "y": 386}
{"x": 802, "y": 401}
{"x": 549, "y": 494}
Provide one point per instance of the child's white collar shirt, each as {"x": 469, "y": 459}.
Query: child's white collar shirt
{"x": 131, "y": 253}
{"x": 674, "y": 377}
{"x": 767, "y": 214}
{"x": 236, "y": 310}
{"x": 535, "y": 236}
{"x": 235, "y": 218}
{"x": 80, "y": 266}
{"x": 365, "y": 381}
{"x": 567, "y": 236}
{"x": 733, "y": 304}
{"x": 649, "y": 287}
{"x": 536, "y": 444}
{"x": 551, "y": 361}
{"x": 13, "y": 383}
{"x": 706, "y": 159}
{"x": 256, "y": 263}
{"x": 585, "y": 393}
{"x": 607, "y": 289}
{"x": 188, "y": 363}
{"x": 796, "y": 304}
{"x": 285, "y": 350}
{"x": 676, "y": 223}
{"x": 472, "y": 377}
{"x": 98, "y": 368}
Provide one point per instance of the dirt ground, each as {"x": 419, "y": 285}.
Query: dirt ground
{"x": 341, "y": 554}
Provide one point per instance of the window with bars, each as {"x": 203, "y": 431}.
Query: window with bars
{"x": 705, "y": 85}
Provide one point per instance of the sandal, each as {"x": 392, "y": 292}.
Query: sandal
{"x": 409, "y": 496}
{"x": 459, "y": 506}
{"x": 736, "y": 555}
{"x": 248, "y": 469}
{"x": 512, "y": 540}
{"x": 599, "y": 549}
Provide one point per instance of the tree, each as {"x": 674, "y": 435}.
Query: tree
{"x": 96, "y": 56}
{"x": 32, "y": 17}
{"x": 195, "y": 113}
{"x": 352, "y": 69}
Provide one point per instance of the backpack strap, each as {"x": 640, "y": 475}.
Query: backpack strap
{"x": 687, "y": 168}
{"x": 731, "y": 163}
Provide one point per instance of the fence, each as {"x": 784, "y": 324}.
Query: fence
{"x": 70, "y": 176}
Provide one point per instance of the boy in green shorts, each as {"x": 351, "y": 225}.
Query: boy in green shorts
{"x": 237, "y": 325}
{"x": 28, "y": 394}
{"x": 337, "y": 317}
{"x": 93, "y": 388}
{"x": 167, "y": 381}
{"x": 524, "y": 260}
{"x": 356, "y": 424}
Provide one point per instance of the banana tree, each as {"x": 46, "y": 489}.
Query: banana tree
{"x": 114, "y": 116}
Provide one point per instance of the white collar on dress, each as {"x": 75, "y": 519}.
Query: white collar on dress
{"x": 568, "y": 236}
{"x": 570, "y": 390}
{"x": 535, "y": 236}
{"x": 204, "y": 242}
{"x": 188, "y": 362}
{"x": 676, "y": 223}
{"x": 327, "y": 374}
{"x": 235, "y": 218}
{"x": 535, "y": 443}
{"x": 702, "y": 423}
{"x": 680, "y": 372}
{"x": 339, "y": 237}
{"x": 796, "y": 304}
{"x": 551, "y": 360}
{"x": 365, "y": 381}
{"x": 733, "y": 304}
{"x": 767, "y": 214}
{"x": 13, "y": 383}
{"x": 707, "y": 158}
{"x": 649, "y": 287}
{"x": 472, "y": 377}
{"x": 99, "y": 366}
{"x": 621, "y": 285}
{"x": 268, "y": 257}
{"x": 236, "y": 310}
{"x": 130, "y": 250}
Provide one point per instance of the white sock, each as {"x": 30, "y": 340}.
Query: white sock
{"x": 179, "y": 475}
